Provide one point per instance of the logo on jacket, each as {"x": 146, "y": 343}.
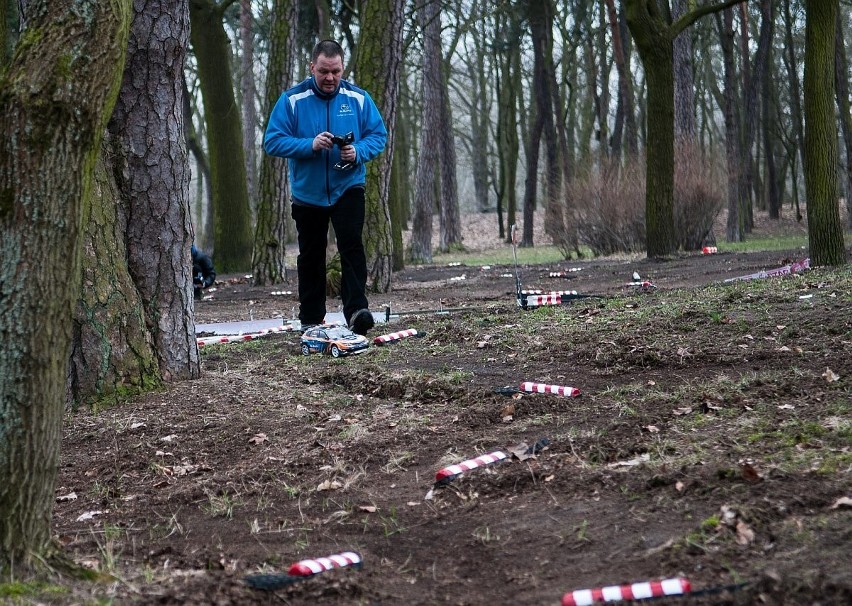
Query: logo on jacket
{"x": 344, "y": 109}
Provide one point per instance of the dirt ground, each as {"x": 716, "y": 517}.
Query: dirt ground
{"x": 711, "y": 441}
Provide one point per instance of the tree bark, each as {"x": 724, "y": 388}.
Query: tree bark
{"x": 625, "y": 88}
{"x": 733, "y": 228}
{"x": 450, "y": 233}
{"x": 508, "y": 145}
{"x": 684, "y": 82}
{"x": 54, "y": 102}
{"x": 420, "y": 248}
{"x": 379, "y": 65}
{"x": 841, "y": 78}
{"x": 248, "y": 92}
{"x": 825, "y": 233}
{"x": 153, "y": 181}
{"x": 232, "y": 214}
{"x": 273, "y": 203}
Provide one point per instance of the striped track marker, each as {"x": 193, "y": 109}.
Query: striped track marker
{"x": 635, "y": 591}
{"x": 549, "y": 292}
{"x": 306, "y": 568}
{"x": 447, "y": 474}
{"x": 396, "y": 336}
{"x": 559, "y": 390}
{"x": 709, "y": 250}
{"x": 541, "y": 300}
{"x": 244, "y": 337}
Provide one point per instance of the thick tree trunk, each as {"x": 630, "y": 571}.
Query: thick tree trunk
{"x": 112, "y": 348}
{"x": 153, "y": 181}
{"x": 379, "y": 65}
{"x": 825, "y": 233}
{"x": 770, "y": 120}
{"x": 273, "y": 202}
{"x": 54, "y": 101}
{"x": 232, "y": 214}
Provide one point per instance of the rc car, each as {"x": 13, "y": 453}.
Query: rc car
{"x": 333, "y": 340}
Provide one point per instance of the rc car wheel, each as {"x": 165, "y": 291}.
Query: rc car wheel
{"x": 335, "y": 351}
{"x": 305, "y": 349}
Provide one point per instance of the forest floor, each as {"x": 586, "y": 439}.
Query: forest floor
{"x": 712, "y": 440}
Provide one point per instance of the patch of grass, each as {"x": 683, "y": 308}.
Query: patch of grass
{"x": 781, "y": 242}
{"x": 502, "y": 256}
{"x": 15, "y": 590}
{"x": 221, "y": 505}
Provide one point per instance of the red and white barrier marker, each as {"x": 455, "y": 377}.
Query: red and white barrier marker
{"x": 792, "y": 268}
{"x": 559, "y": 390}
{"x": 448, "y": 473}
{"x": 244, "y": 337}
{"x": 709, "y": 250}
{"x": 635, "y": 591}
{"x": 540, "y": 300}
{"x": 306, "y": 568}
{"x": 395, "y": 336}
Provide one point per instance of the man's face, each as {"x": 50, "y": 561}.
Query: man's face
{"x": 327, "y": 72}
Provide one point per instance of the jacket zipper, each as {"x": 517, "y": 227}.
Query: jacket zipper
{"x": 328, "y": 153}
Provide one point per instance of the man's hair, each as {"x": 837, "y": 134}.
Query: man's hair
{"x": 329, "y": 48}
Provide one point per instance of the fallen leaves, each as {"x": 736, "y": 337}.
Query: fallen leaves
{"x": 830, "y": 376}
{"x": 842, "y": 502}
{"x": 258, "y": 438}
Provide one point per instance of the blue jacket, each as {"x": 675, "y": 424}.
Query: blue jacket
{"x": 303, "y": 112}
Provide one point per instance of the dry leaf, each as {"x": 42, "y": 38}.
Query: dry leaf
{"x": 651, "y": 382}
{"x": 842, "y": 502}
{"x": 745, "y": 535}
{"x": 169, "y": 438}
{"x": 750, "y": 473}
{"x": 367, "y": 508}
{"x": 783, "y": 348}
{"x": 653, "y": 429}
{"x": 137, "y": 425}
{"x": 786, "y": 407}
{"x": 830, "y": 376}
{"x": 71, "y": 496}
{"x": 329, "y": 485}
{"x": 89, "y": 515}
{"x": 682, "y": 411}
{"x": 258, "y": 438}
{"x": 679, "y": 486}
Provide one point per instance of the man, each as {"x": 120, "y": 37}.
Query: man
{"x": 309, "y": 126}
{"x": 203, "y": 273}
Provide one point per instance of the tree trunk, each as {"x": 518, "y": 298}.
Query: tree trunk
{"x": 841, "y": 79}
{"x": 795, "y": 97}
{"x": 247, "y": 90}
{"x": 625, "y": 87}
{"x": 420, "y": 250}
{"x": 273, "y": 202}
{"x": 450, "y": 235}
{"x": 733, "y": 230}
{"x": 508, "y": 145}
{"x": 653, "y": 38}
{"x": 684, "y": 82}
{"x": 770, "y": 119}
{"x": 112, "y": 348}
{"x": 232, "y": 214}
{"x": 379, "y": 65}
{"x": 54, "y": 103}
{"x": 153, "y": 181}
{"x": 825, "y": 233}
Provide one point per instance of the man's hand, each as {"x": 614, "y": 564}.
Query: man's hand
{"x": 347, "y": 153}
{"x": 322, "y": 141}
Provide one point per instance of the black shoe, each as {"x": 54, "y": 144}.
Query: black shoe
{"x": 361, "y": 322}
